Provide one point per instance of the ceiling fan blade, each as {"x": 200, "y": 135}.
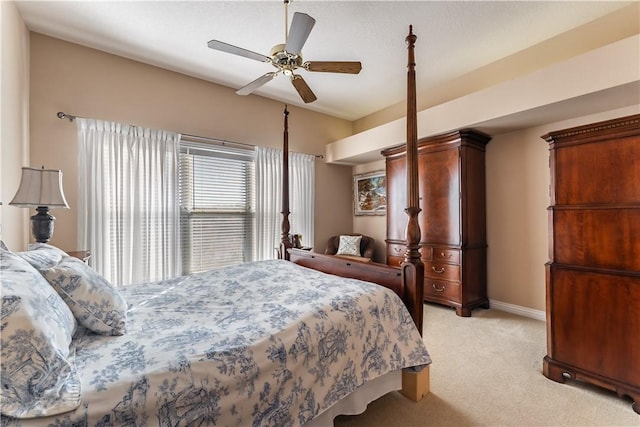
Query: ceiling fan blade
{"x": 247, "y": 89}
{"x": 348, "y": 67}
{"x": 226, "y": 47}
{"x": 303, "y": 89}
{"x": 301, "y": 26}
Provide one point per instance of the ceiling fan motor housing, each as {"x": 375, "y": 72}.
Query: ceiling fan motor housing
{"x": 284, "y": 60}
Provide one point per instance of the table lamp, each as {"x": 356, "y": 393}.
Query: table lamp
{"x": 40, "y": 189}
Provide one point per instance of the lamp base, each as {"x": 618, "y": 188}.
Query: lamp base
{"x": 42, "y": 224}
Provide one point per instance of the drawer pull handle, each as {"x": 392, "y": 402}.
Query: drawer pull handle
{"x": 397, "y": 249}
{"x": 437, "y": 270}
{"x": 438, "y": 289}
{"x": 443, "y": 255}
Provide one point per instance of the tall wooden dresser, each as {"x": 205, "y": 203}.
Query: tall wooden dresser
{"x": 593, "y": 273}
{"x": 453, "y": 244}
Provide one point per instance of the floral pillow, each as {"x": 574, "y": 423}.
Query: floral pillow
{"x": 38, "y": 372}
{"x": 349, "y": 245}
{"x": 42, "y": 255}
{"x": 96, "y": 303}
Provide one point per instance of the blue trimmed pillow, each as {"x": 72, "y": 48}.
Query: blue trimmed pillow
{"x": 94, "y": 301}
{"x": 349, "y": 245}
{"x": 38, "y": 372}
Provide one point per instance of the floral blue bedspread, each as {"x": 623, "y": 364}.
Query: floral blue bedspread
{"x": 259, "y": 344}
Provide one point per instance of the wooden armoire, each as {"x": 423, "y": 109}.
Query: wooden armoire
{"x": 593, "y": 273}
{"x": 453, "y": 244}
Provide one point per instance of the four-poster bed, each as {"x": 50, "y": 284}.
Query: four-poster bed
{"x": 208, "y": 348}
{"x": 406, "y": 281}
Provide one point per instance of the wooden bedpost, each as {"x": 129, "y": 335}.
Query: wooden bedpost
{"x": 415, "y": 384}
{"x": 285, "y": 241}
{"x": 412, "y": 266}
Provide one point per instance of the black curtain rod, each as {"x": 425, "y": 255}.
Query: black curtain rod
{"x": 64, "y": 116}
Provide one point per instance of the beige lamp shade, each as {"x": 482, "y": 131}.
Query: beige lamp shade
{"x": 40, "y": 187}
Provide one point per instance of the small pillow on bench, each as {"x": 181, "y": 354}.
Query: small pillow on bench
{"x": 349, "y": 245}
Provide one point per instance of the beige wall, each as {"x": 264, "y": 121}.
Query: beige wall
{"x": 14, "y": 137}
{"x": 89, "y": 83}
{"x": 372, "y": 225}
{"x": 517, "y": 197}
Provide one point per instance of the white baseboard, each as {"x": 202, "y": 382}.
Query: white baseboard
{"x": 519, "y": 310}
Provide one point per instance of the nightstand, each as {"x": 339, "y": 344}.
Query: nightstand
{"x": 83, "y": 255}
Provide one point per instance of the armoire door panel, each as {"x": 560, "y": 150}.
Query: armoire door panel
{"x": 440, "y": 196}
{"x": 396, "y": 169}
{"x": 605, "y": 338}
{"x": 602, "y": 238}
{"x": 606, "y": 175}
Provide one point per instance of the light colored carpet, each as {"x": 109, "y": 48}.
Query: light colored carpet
{"x": 487, "y": 371}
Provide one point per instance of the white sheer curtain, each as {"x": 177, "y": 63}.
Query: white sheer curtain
{"x": 128, "y": 201}
{"x": 269, "y": 199}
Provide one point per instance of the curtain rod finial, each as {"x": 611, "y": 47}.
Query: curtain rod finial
{"x": 63, "y": 115}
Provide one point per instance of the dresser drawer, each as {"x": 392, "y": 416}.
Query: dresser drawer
{"x": 448, "y": 255}
{"x": 441, "y": 290}
{"x": 394, "y": 261}
{"x": 396, "y": 250}
{"x": 441, "y": 271}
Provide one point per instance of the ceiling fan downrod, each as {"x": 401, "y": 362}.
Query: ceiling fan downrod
{"x": 286, "y": 20}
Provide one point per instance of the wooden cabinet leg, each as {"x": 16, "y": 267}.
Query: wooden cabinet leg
{"x": 552, "y": 371}
{"x": 463, "y": 312}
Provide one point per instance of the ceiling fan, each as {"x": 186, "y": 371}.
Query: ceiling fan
{"x": 287, "y": 57}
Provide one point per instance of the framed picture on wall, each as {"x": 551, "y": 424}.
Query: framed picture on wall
{"x": 370, "y": 193}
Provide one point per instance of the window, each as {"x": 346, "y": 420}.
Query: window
{"x": 217, "y": 206}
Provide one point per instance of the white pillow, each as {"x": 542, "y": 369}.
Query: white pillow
{"x": 349, "y": 245}
{"x": 96, "y": 303}
{"x": 42, "y": 255}
{"x": 38, "y": 372}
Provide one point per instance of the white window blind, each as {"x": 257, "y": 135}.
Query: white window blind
{"x": 217, "y": 206}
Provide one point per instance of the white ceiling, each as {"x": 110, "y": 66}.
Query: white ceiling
{"x": 454, "y": 38}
